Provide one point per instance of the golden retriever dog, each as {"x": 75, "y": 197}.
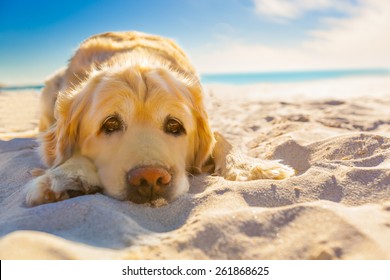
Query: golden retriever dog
{"x": 126, "y": 118}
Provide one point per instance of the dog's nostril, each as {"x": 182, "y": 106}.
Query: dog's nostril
{"x": 154, "y": 177}
{"x": 143, "y": 183}
{"x": 162, "y": 182}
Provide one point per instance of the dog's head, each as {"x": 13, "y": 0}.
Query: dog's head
{"x": 144, "y": 128}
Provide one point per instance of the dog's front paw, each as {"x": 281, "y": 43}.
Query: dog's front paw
{"x": 75, "y": 177}
{"x": 40, "y": 191}
{"x": 58, "y": 186}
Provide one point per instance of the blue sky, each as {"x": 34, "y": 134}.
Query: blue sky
{"x": 37, "y": 37}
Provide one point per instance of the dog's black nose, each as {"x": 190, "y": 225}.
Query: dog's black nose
{"x": 149, "y": 182}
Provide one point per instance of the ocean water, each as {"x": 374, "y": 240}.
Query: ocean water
{"x": 17, "y": 88}
{"x": 284, "y": 77}
{"x": 261, "y": 77}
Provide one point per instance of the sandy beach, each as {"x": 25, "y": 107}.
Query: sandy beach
{"x": 334, "y": 133}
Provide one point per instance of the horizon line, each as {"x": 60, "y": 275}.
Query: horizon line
{"x": 341, "y": 71}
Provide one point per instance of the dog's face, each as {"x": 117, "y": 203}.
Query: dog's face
{"x": 144, "y": 129}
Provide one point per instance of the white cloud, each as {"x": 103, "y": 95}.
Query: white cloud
{"x": 283, "y": 10}
{"x": 359, "y": 41}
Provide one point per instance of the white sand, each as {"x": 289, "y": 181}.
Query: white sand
{"x": 19, "y": 113}
{"x": 335, "y": 133}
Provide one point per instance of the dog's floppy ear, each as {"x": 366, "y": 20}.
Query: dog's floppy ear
{"x": 53, "y": 84}
{"x": 58, "y": 142}
{"x": 204, "y": 138}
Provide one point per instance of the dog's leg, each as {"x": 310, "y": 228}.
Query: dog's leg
{"x": 74, "y": 177}
{"x": 234, "y": 165}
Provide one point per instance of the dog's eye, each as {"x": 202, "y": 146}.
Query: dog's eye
{"x": 174, "y": 127}
{"x": 112, "y": 124}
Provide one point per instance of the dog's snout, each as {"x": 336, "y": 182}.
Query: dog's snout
{"x": 149, "y": 181}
